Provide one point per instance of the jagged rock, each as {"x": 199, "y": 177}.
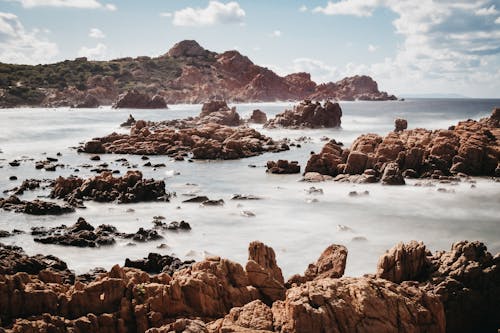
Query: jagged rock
{"x": 129, "y": 122}
{"x": 156, "y": 263}
{"x": 264, "y": 273}
{"x": 308, "y": 115}
{"x": 392, "y": 175}
{"x": 35, "y": 207}
{"x": 404, "y": 262}
{"x": 105, "y": 188}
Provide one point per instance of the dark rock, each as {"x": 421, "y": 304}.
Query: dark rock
{"x": 156, "y": 263}
{"x": 283, "y": 167}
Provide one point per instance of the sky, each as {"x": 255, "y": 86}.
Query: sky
{"x": 407, "y": 46}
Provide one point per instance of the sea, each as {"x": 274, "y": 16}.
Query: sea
{"x": 297, "y": 224}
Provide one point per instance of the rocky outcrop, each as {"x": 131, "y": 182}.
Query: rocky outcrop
{"x": 331, "y": 264}
{"x": 404, "y": 262}
{"x": 133, "y": 99}
{"x": 357, "y": 305}
{"x": 187, "y": 48}
{"x": 156, "y": 263}
{"x": 283, "y": 167}
{"x": 308, "y": 115}
{"x": 81, "y": 234}
{"x": 208, "y": 141}
{"x": 456, "y": 291}
{"x": 264, "y": 273}
{"x": 105, "y": 188}
{"x": 471, "y": 147}
{"x": 258, "y": 117}
{"x": 359, "y": 87}
{"x": 35, "y": 207}
{"x": 400, "y": 125}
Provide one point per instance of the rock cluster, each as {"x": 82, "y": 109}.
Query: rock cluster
{"x": 283, "y": 167}
{"x": 413, "y": 291}
{"x": 258, "y": 117}
{"x": 207, "y": 141}
{"x": 105, "y": 188}
{"x": 308, "y": 115}
{"x": 471, "y": 147}
{"x": 35, "y": 207}
{"x": 134, "y": 99}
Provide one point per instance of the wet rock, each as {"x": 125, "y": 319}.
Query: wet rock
{"x": 12, "y": 178}
{"x": 95, "y": 158}
{"x": 81, "y": 234}
{"x": 105, "y": 188}
{"x": 156, "y": 264}
{"x": 207, "y": 203}
{"x": 258, "y": 117}
{"x": 15, "y": 163}
{"x": 197, "y": 199}
{"x": 358, "y": 194}
{"x": 172, "y": 226}
{"x": 35, "y": 207}
{"x": 283, "y": 167}
{"x": 314, "y": 190}
{"x": 204, "y": 141}
{"x": 144, "y": 235}
{"x": 308, "y": 115}
{"x": 400, "y": 125}
{"x": 392, "y": 175}
{"x": 245, "y": 197}
{"x": 219, "y": 113}
{"x": 129, "y": 122}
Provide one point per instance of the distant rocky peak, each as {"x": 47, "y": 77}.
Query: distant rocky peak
{"x": 187, "y": 48}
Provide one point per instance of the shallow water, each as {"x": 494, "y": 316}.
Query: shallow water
{"x": 287, "y": 218}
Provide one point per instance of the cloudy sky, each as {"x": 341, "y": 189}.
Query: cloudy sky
{"x": 408, "y": 46}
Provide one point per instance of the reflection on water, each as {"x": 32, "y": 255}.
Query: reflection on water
{"x": 287, "y": 218}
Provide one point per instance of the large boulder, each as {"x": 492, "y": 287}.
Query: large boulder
{"x": 404, "y": 262}
{"x": 187, "y": 48}
{"x": 258, "y": 117}
{"x": 309, "y": 115}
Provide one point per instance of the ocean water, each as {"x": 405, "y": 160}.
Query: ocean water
{"x": 298, "y": 225}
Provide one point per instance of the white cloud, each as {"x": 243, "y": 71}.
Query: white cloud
{"x": 276, "y": 33}
{"x": 96, "y": 53}
{"x": 446, "y": 45}
{"x": 110, "y": 6}
{"x": 215, "y": 13}
{"x": 497, "y": 21}
{"x": 303, "y": 8}
{"x": 82, "y": 4}
{"x": 487, "y": 11}
{"x": 17, "y": 45}
{"x": 348, "y": 7}
{"x": 372, "y": 48}
{"x": 319, "y": 71}
{"x": 96, "y": 33}
{"x": 166, "y": 14}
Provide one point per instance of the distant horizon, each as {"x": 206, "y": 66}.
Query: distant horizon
{"x": 424, "y": 48}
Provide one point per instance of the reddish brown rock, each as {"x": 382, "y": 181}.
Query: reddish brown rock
{"x": 264, "y": 273}
{"x": 357, "y": 305}
{"x": 283, "y": 167}
{"x": 104, "y": 188}
{"x": 308, "y": 115}
{"x": 258, "y": 117}
{"x": 254, "y": 317}
{"x": 35, "y": 207}
{"x": 400, "y": 125}
{"x": 471, "y": 147}
{"x": 404, "y": 262}
{"x": 133, "y": 99}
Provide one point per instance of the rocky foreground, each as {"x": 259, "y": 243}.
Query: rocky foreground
{"x": 411, "y": 291}
{"x": 187, "y": 73}
{"x": 468, "y": 148}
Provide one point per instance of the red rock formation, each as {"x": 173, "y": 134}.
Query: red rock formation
{"x": 258, "y": 117}
{"x": 283, "y": 167}
{"x": 309, "y": 115}
{"x": 404, "y": 262}
{"x": 471, "y": 147}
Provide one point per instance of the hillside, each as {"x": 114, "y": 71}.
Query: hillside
{"x": 187, "y": 73}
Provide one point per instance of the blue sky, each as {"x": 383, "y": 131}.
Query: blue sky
{"x": 425, "y": 46}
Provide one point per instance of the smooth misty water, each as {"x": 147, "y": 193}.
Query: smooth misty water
{"x": 287, "y": 218}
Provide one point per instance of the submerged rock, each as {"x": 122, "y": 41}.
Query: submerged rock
{"x": 35, "y": 207}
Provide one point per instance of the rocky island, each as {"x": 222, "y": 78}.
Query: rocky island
{"x": 187, "y": 73}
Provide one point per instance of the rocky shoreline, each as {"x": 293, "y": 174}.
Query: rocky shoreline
{"x": 412, "y": 290}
